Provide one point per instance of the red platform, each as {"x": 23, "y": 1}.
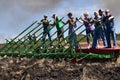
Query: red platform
{"x": 102, "y": 50}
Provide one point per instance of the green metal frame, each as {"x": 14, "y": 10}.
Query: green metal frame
{"x": 22, "y": 38}
{"x": 28, "y": 49}
{"x": 6, "y": 46}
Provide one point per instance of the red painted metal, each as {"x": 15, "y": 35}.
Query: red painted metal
{"x": 101, "y": 50}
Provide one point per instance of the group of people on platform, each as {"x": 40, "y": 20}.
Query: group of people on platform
{"x": 101, "y": 26}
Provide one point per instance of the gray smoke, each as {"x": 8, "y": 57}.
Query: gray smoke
{"x": 113, "y": 5}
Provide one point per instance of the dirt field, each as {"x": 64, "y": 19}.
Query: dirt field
{"x": 48, "y": 69}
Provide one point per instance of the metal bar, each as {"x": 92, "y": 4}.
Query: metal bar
{"x": 86, "y": 35}
{"x": 18, "y": 35}
{"x": 40, "y": 37}
{"x": 26, "y": 39}
{"x": 62, "y": 55}
{"x": 23, "y": 37}
{"x": 57, "y": 37}
{"x": 49, "y": 30}
{"x": 66, "y": 37}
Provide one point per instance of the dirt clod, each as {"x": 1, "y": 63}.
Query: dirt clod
{"x": 48, "y": 69}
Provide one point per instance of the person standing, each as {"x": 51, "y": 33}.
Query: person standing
{"x": 98, "y": 30}
{"x": 72, "y": 35}
{"x": 46, "y": 30}
{"x": 87, "y": 21}
{"x": 110, "y": 30}
{"x": 102, "y": 16}
{"x": 59, "y": 26}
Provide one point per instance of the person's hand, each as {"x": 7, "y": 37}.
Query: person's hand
{"x": 92, "y": 18}
{"x": 39, "y": 22}
{"x": 81, "y": 18}
{"x": 110, "y": 18}
{"x": 77, "y": 19}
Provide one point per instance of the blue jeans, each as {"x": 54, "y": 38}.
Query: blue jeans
{"x": 45, "y": 33}
{"x": 99, "y": 34}
{"x": 88, "y": 35}
{"x": 73, "y": 39}
{"x": 112, "y": 33}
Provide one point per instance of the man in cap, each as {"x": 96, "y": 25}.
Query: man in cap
{"x": 102, "y": 15}
{"x": 98, "y": 30}
{"x": 110, "y": 30}
{"x": 46, "y": 30}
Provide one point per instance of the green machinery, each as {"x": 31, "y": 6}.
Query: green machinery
{"x": 21, "y": 46}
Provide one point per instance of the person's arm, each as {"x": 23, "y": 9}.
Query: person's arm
{"x": 77, "y": 20}
{"x": 110, "y": 18}
{"x": 80, "y": 21}
{"x": 40, "y": 22}
{"x": 61, "y": 19}
{"x": 65, "y": 22}
{"x": 49, "y": 22}
{"x": 83, "y": 20}
{"x": 53, "y": 24}
{"x": 94, "y": 21}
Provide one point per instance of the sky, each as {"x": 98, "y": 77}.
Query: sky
{"x": 16, "y": 15}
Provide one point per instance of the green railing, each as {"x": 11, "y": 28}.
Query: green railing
{"x": 6, "y": 46}
{"x": 62, "y": 46}
{"x": 12, "y": 46}
{"x": 24, "y": 48}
